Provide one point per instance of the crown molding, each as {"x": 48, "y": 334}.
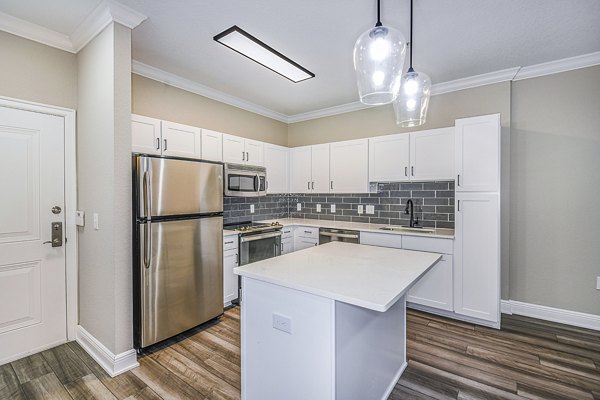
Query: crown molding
{"x": 37, "y": 33}
{"x": 108, "y": 11}
{"x": 327, "y": 112}
{"x": 563, "y": 65}
{"x": 474, "y": 81}
{"x": 177, "y": 81}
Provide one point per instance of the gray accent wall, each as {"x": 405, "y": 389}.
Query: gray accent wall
{"x": 555, "y": 183}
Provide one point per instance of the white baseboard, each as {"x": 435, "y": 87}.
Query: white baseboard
{"x": 111, "y": 363}
{"x": 582, "y": 320}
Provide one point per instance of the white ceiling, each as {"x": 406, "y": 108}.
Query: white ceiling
{"x": 453, "y": 39}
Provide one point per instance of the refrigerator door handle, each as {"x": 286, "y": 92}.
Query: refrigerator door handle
{"x": 147, "y": 257}
{"x": 145, "y": 194}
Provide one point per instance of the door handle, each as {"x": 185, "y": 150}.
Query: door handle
{"x": 458, "y": 205}
{"x": 145, "y": 195}
{"x": 458, "y": 179}
{"x": 157, "y": 143}
{"x": 243, "y": 156}
{"x": 308, "y": 185}
{"x": 147, "y": 244}
{"x": 331, "y": 185}
{"x": 56, "y": 228}
{"x": 247, "y": 156}
{"x": 165, "y": 144}
{"x": 412, "y": 171}
{"x": 405, "y": 171}
{"x": 313, "y": 186}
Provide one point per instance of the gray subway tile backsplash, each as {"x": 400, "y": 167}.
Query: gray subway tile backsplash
{"x": 433, "y": 205}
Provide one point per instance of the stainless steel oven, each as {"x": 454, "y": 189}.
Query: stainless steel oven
{"x": 245, "y": 180}
{"x": 259, "y": 246}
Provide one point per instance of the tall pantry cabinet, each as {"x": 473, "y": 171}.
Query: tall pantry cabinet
{"x": 477, "y": 207}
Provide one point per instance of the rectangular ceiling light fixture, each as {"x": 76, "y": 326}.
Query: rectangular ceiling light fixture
{"x": 247, "y": 45}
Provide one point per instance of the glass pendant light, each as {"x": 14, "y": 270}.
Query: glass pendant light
{"x": 378, "y": 60}
{"x": 412, "y": 101}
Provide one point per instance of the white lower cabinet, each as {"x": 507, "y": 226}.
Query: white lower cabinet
{"x": 435, "y": 288}
{"x": 477, "y": 256}
{"x": 305, "y": 237}
{"x": 287, "y": 240}
{"x": 230, "y": 261}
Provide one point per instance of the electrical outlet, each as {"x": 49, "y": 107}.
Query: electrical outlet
{"x": 333, "y": 208}
{"x": 598, "y": 282}
{"x": 298, "y": 207}
{"x": 96, "y": 222}
{"x": 251, "y": 208}
{"x": 282, "y": 323}
{"x": 318, "y": 208}
{"x": 360, "y": 209}
{"x": 371, "y": 209}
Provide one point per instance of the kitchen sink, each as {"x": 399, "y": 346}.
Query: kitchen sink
{"x": 407, "y": 229}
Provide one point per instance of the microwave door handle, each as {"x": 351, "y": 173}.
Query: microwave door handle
{"x": 257, "y": 183}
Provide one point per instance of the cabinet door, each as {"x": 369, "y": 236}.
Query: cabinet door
{"x": 254, "y": 152}
{"x": 477, "y": 154}
{"x": 276, "y": 162}
{"x": 349, "y": 166}
{"x": 233, "y": 149}
{"x": 287, "y": 246}
{"x": 212, "y": 145}
{"x": 320, "y": 168}
{"x": 389, "y": 158}
{"x": 432, "y": 155}
{"x": 145, "y": 135}
{"x": 477, "y": 256}
{"x": 230, "y": 281}
{"x": 300, "y": 167}
{"x": 181, "y": 140}
{"x": 434, "y": 289}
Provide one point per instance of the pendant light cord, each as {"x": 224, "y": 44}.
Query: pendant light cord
{"x": 378, "y": 13}
{"x": 410, "y": 69}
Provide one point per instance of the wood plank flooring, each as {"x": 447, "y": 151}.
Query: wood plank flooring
{"x": 527, "y": 359}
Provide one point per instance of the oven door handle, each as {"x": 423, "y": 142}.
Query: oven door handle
{"x": 252, "y": 238}
{"x": 341, "y": 235}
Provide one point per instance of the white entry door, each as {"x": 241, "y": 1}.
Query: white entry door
{"x": 32, "y": 271}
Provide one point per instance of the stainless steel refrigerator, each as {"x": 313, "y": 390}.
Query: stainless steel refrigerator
{"x": 178, "y": 246}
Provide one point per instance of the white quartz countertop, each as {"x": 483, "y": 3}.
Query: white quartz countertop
{"x": 227, "y": 232}
{"x": 365, "y": 276}
{"x": 357, "y": 226}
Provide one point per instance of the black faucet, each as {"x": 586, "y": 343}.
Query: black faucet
{"x": 409, "y": 205}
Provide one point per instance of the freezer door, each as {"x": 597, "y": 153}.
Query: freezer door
{"x": 181, "y": 277}
{"x": 169, "y": 187}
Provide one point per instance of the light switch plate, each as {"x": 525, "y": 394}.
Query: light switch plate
{"x": 360, "y": 209}
{"x": 318, "y": 208}
{"x": 333, "y": 208}
{"x": 80, "y": 218}
{"x": 370, "y": 209}
{"x": 282, "y": 323}
{"x": 251, "y": 208}
{"x": 299, "y": 207}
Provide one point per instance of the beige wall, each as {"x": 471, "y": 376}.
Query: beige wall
{"x": 555, "y": 169}
{"x": 155, "y": 99}
{"x": 35, "y": 72}
{"x": 104, "y": 187}
{"x": 443, "y": 110}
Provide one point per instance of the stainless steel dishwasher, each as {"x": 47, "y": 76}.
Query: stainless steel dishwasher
{"x": 327, "y": 235}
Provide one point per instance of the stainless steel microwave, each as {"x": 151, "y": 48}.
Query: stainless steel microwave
{"x": 245, "y": 180}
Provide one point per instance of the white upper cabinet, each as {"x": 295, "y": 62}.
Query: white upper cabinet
{"x": 145, "y": 135}
{"x": 212, "y": 145}
{"x": 180, "y": 140}
{"x": 255, "y": 152}
{"x": 477, "y": 256}
{"x": 320, "y": 169}
{"x": 277, "y": 164}
{"x": 349, "y": 166}
{"x": 389, "y": 158}
{"x": 432, "y": 155}
{"x": 242, "y": 151}
{"x": 233, "y": 149}
{"x": 477, "y": 154}
{"x": 300, "y": 169}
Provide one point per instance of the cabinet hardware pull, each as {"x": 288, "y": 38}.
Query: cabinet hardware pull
{"x": 405, "y": 171}
{"x": 332, "y": 185}
{"x": 458, "y": 205}
{"x": 165, "y": 142}
{"x": 157, "y": 143}
{"x": 229, "y": 242}
{"x": 308, "y": 185}
{"x": 247, "y": 156}
{"x": 313, "y": 186}
{"x": 458, "y": 183}
{"x": 412, "y": 171}
{"x": 243, "y": 156}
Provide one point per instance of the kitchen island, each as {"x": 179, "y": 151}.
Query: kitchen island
{"x": 327, "y": 322}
